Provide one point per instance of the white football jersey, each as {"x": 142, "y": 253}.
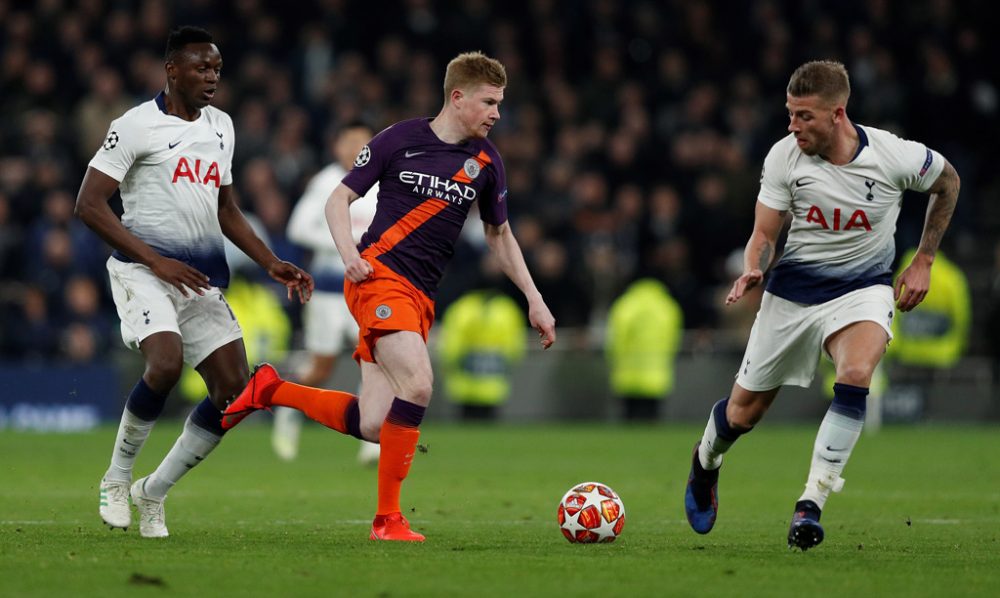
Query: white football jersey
{"x": 843, "y": 217}
{"x": 170, "y": 171}
{"x": 307, "y": 226}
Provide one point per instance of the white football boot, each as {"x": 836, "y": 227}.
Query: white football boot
{"x": 114, "y": 507}
{"x": 152, "y": 520}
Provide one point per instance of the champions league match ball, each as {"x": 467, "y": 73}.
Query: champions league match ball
{"x": 591, "y": 512}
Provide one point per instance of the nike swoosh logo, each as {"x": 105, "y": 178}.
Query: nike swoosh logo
{"x": 833, "y": 450}
{"x": 218, "y": 134}
{"x": 174, "y": 144}
{"x": 803, "y": 182}
{"x": 411, "y": 154}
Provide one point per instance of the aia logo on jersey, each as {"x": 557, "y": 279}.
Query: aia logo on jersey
{"x": 196, "y": 173}
{"x": 836, "y": 222}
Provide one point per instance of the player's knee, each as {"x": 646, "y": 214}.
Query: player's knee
{"x": 419, "y": 390}
{"x": 855, "y": 375}
{"x": 163, "y": 371}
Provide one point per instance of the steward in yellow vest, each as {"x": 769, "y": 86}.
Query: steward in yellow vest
{"x": 482, "y": 335}
{"x": 645, "y": 327}
{"x": 935, "y": 333}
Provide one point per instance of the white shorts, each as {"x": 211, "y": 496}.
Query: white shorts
{"x": 788, "y": 338}
{"x": 329, "y": 326}
{"x": 147, "y": 305}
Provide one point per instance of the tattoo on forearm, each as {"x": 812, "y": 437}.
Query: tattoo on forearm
{"x": 939, "y": 210}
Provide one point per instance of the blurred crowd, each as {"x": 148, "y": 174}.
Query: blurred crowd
{"x": 632, "y": 131}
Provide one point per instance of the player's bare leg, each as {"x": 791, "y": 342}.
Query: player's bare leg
{"x": 856, "y": 351}
{"x": 730, "y": 418}
{"x": 376, "y": 399}
{"x": 405, "y": 364}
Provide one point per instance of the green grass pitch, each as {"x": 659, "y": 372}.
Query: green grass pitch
{"x": 919, "y": 516}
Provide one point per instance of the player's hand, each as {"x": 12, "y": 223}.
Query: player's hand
{"x": 542, "y": 320}
{"x": 180, "y": 275}
{"x": 294, "y": 278}
{"x": 743, "y": 284}
{"x": 912, "y": 285}
{"x": 357, "y": 269}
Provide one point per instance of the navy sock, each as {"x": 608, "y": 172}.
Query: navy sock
{"x": 723, "y": 428}
{"x": 405, "y": 413}
{"x": 144, "y": 402}
{"x": 208, "y": 417}
{"x": 352, "y": 418}
{"x": 849, "y": 401}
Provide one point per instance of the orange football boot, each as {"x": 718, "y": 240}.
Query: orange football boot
{"x": 254, "y": 397}
{"x": 394, "y": 527}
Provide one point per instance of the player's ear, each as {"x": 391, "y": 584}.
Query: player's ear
{"x": 457, "y": 95}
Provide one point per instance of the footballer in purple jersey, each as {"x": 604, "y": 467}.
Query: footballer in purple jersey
{"x": 429, "y": 171}
{"x": 426, "y": 188}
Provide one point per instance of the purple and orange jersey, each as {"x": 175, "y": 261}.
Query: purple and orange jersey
{"x": 426, "y": 188}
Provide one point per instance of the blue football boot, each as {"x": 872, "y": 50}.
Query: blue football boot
{"x": 805, "y": 531}
{"x": 701, "y": 498}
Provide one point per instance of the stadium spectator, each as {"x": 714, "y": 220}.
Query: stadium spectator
{"x": 685, "y": 85}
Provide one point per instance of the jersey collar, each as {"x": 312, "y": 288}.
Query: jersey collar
{"x": 161, "y": 103}
{"x": 862, "y": 141}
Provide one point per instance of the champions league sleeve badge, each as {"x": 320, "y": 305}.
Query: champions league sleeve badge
{"x": 363, "y": 157}
{"x": 111, "y": 141}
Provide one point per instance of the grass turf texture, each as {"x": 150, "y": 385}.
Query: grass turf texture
{"x": 918, "y": 517}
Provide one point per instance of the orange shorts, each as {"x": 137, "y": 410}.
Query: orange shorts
{"x": 386, "y": 302}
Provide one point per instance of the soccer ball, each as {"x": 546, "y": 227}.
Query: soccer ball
{"x": 591, "y": 512}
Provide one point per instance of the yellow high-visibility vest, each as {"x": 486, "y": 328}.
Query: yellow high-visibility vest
{"x": 482, "y": 335}
{"x": 645, "y": 327}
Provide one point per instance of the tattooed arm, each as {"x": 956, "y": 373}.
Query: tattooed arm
{"x": 912, "y": 285}
{"x": 759, "y": 251}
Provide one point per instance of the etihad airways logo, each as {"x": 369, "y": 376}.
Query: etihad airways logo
{"x": 430, "y": 185}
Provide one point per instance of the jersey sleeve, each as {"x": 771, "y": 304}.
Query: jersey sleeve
{"x": 123, "y": 145}
{"x": 372, "y": 161}
{"x": 914, "y": 165}
{"x": 774, "y": 190}
{"x": 227, "y": 176}
{"x": 493, "y": 201}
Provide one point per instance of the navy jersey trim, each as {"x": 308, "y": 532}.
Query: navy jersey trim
{"x": 799, "y": 282}
{"x": 212, "y": 265}
{"x": 862, "y": 141}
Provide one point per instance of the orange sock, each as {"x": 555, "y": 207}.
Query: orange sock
{"x": 332, "y": 408}
{"x": 398, "y": 438}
